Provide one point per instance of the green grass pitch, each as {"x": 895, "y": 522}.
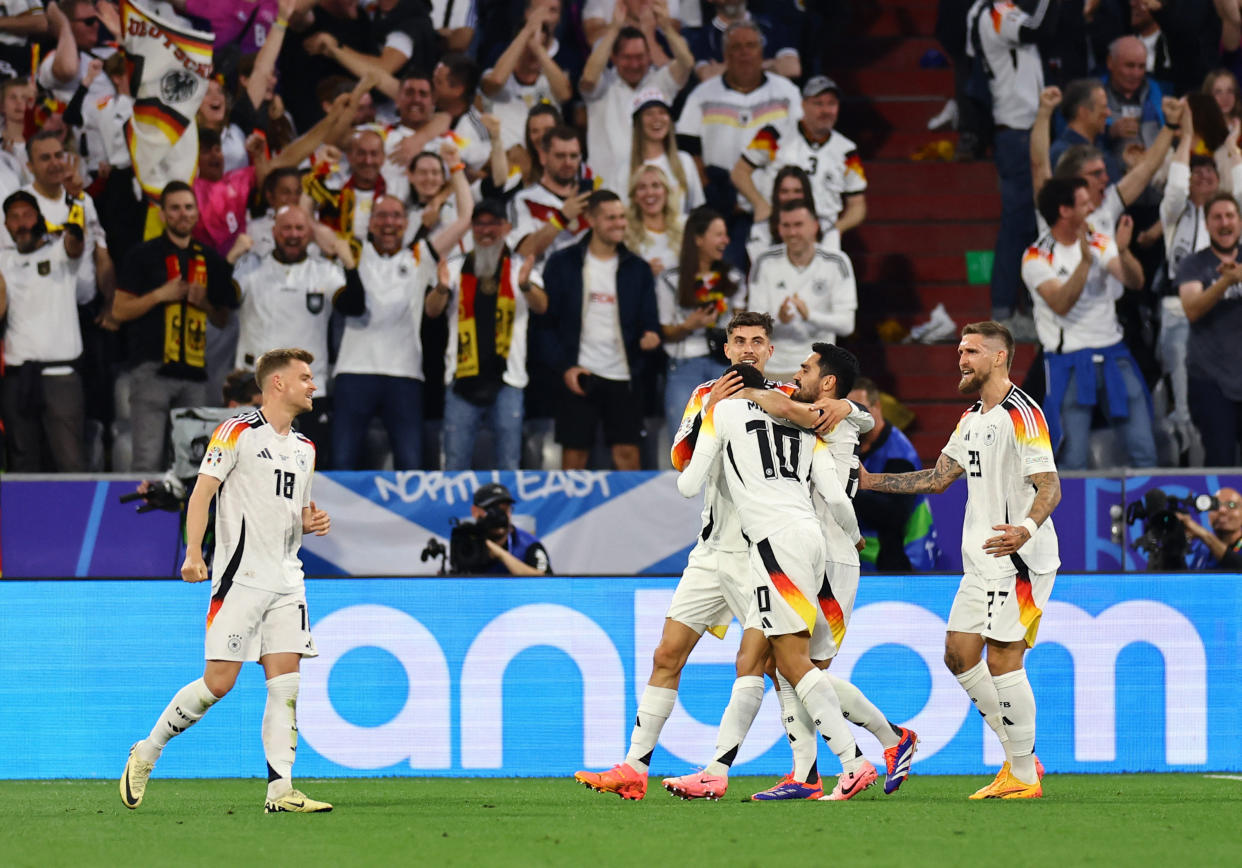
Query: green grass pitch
{"x": 1082, "y": 820}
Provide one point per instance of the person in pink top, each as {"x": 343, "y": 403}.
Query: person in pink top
{"x": 222, "y": 196}
{"x": 246, "y": 22}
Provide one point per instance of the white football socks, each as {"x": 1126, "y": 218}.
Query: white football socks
{"x": 186, "y": 708}
{"x": 280, "y": 732}
{"x": 801, "y": 731}
{"x": 738, "y": 716}
{"x": 653, "y": 709}
{"x": 821, "y": 701}
{"x": 859, "y": 710}
{"x": 978, "y": 684}
{"x": 1017, "y": 710}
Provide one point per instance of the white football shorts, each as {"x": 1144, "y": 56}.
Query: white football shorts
{"x": 835, "y": 604}
{"x": 248, "y": 624}
{"x": 715, "y": 587}
{"x": 1005, "y": 609}
{"x": 788, "y": 570}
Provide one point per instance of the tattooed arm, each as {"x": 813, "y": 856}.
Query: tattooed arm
{"x": 932, "y": 481}
{"x": 1047, "y": 495}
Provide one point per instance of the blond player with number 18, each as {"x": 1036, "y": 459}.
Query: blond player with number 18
{"x": 1009, "y": 547}
{"x": 258, "y": 600}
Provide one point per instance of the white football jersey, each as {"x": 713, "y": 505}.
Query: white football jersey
{"x": 833, "y": 165}
{"x": 287, "y": 305}
{"x": 999, "y": 450}
{"x": 843, "y": 444}
{"x": 265, "y": 484}
{"x": 827, "y": 286}
{"x": 387, "y": 339}
{"x": 769, "y": 466}
{"x": 720, "y": 530}
{"x": 1092, "y": 322}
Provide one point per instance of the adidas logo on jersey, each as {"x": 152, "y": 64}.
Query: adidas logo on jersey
{"x": 265, "y": 454}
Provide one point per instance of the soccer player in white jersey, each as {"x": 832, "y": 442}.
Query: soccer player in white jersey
{"x": 258, "y": 600}
{"x": 826, "y": 373}
{"x": 715, "y": 584}
{"x": 770, "y": 468}
{"x": 1009, "y": 547}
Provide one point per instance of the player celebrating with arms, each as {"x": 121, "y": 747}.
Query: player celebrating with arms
{"x": 1002, "y": 445}
{"x": 258, "y": 600}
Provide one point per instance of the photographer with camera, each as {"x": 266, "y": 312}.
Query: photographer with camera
{"x": 490, "y": 544}
{"x": 1221, "y": 547}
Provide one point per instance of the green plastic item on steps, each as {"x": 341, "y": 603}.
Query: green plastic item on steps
{"x": 979, "y": 266}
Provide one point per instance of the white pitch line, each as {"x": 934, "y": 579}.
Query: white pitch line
{"x": 1225, "y": 777}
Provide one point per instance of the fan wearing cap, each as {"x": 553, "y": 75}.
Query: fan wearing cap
{"x": 516, "y": 552}
{"x": 830, "y": 160}
{"x": 39, "y": 298}
{"x": 654, "y": 143}
{"x": 492, "y": 292}
{"x": 609, "y": 91}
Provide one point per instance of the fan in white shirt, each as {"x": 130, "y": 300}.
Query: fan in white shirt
{"x": 809, "y": 290}
{"x": 655, "y": 144}
{"x": 525, "y": 75}
{"x": 286, "y": 297}
{"x": 609, "y": 91}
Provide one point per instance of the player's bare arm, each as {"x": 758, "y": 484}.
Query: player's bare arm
{"x": 315, "y": 520}
{"x": 194, "y": 569}
{"x": 820, "y": 417}
{"x": 1013, "y": 537}
{"x": 931, "y": 481}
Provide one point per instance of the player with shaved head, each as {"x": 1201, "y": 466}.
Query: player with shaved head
{"x": 1009, "y": 547}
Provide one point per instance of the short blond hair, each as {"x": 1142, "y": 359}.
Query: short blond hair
{"x": 275, "y": 360}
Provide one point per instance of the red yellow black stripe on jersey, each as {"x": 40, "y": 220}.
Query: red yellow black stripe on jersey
{"x": 1030, "y": 428}
{"x": 226, "y": 578}
{"x": 691, "y": 420}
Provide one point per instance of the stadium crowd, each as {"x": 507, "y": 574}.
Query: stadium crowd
{"x": 522, "y": 217}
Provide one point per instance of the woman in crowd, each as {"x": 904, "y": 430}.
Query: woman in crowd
{"x": 791, "y": 185}
{"x": 696, "y": 298}
{"x": 655, "y": 143}
{"x": 654, "y": 222}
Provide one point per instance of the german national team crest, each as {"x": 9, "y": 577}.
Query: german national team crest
{"x": 819, "y": 287}
{"x": 314, "y": 302}
{"x": 989, "y": 436}
{"x": 45, "y": 268}
{"x": 302, "y": 464}
{"x": 403, "y": 270}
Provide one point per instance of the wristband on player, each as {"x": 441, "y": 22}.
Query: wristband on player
{"x": 1031, "y": 527}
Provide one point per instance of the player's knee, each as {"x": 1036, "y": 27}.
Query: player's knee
{"x": 668, "y": 658}
{"x": 219, "y": 683}
{"x": 953, "y": 660}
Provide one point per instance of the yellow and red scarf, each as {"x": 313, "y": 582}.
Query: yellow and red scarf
{"x": 467, "y": 327}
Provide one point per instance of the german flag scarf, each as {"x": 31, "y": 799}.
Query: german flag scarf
{"x": 467, "y": 327}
